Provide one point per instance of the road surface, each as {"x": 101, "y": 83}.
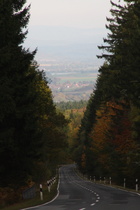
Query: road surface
{"x": 78, "y": 194}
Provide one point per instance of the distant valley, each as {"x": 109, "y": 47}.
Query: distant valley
{"x": 68, "y": 57}
{"x": 70, "y": 81}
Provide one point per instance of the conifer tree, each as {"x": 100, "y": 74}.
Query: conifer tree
{"x": 17, "y": 121}
{"x": 119, "y": 78}
{"x": 31, "y": 130}
{"x": 123, "y": 49}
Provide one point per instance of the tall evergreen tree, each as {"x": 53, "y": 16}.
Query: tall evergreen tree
{"x": 123, "y": 49}
{"x": 17, "y": 120}
{"x": 31, "y": 130}
{"x": 119, "y": 78}
{"x": 123, "y": 53}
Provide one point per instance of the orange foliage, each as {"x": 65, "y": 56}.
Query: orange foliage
{"x": 83, "y": 160}
{"x": 123, "y": 138}
{"x": 10, "y": 196}
{"x": 114, "y": 105}
{"x": 112, "y": 132}
{"x": 99, "y": 135}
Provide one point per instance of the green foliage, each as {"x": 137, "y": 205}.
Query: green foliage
{"x": 123, "y": 50}
{"x": 71, "y": 105}
{"x": 108, "y": 139}
{"x": 31, "y": 131}
{"x": 73, "y": 112}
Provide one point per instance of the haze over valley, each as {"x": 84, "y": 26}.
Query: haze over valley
{"x": 68, "y": 57}
{"x": 70, "y": 81}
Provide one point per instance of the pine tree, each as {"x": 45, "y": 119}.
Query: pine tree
{"x": 16, "y": 96}
{"x": 119, "y": 78}
{"x": 31, "y": 130}
{"x": 123, "y": 49}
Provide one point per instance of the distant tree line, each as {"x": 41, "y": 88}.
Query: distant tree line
{"x": 32, "y": 134}
{"x": 71, "y": 105}
{"x": 108, "y": 142}
{"x": 73, "y": 112}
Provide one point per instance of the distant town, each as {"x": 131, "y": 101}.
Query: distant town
{"x": 70, "y": 81}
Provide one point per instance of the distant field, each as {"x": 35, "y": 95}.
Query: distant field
{"x": 72, "y": 86}
{"x": 79, "y": 79}
{"x": 76, "y": 77}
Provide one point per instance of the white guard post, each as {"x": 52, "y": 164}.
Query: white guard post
{"x": 41, "y": 192}
{"x": 49, "y": 185}
{"x": 137, "y": 185}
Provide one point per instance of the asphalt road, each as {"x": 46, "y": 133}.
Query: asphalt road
{"x": 78, "y": 194}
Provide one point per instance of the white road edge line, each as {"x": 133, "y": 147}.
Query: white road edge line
{"x": 47, "y": 202}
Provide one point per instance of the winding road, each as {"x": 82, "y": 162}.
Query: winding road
{"x": 78, "y": 194}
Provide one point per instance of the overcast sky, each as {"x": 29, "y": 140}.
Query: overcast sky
{"x": 67, "y": 21}
{"x": 71, "y": 13}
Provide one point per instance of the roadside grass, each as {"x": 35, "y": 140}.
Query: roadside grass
{"x": 47, "y": 196}
{"x": 107, "y": 183}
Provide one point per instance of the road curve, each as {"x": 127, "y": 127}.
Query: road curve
{"x": 78, "y": 194}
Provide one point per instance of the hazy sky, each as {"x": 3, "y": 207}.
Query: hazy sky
{"x": 67, "y": 22}
{"x": 71, "y": 13}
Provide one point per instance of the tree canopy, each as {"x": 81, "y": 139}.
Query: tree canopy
{"x": 31, "y": 130}
{"x": 111, "y": 144}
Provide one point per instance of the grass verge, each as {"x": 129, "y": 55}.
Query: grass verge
{"x": 47, "y": 196}
{"x": 107, "y": 183}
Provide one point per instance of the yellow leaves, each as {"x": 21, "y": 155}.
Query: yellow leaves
{"x": 114, "y": 105}
{"x": 75, "y": 116}
{"x": 99, "y": 135}
{"x": 99, "y": 113}
{"x": 102, "y": 124}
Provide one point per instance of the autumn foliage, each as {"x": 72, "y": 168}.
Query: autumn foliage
{"x": 110, "y": 127}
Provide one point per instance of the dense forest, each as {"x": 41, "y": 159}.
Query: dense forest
{"x": 71, "y": 105}
{"x": 32, "y": 132}
{"x": 73, "y": 112}
{"x": 108, "y": 142}
{"x": 101, "y": 135}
